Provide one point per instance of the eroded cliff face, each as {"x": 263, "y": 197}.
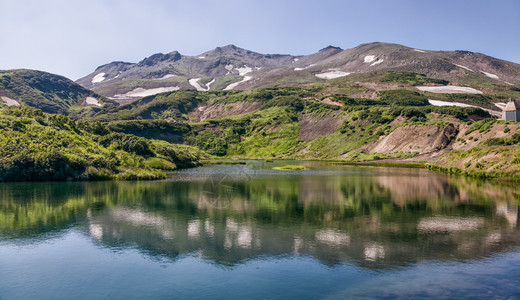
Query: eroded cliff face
{"x": 416, "y": 138}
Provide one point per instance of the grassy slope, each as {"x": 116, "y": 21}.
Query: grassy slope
{"x": 48, "y": 92}
{"x": 38, "y": 146}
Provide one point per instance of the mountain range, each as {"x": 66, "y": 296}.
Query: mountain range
{"x": 231, "y": 67}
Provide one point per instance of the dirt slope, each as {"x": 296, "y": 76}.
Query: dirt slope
{"x": 415, "y": 138}
{"x": 312, "y": 127}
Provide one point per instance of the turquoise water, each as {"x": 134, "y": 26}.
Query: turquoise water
{"x": 247, "y": 231}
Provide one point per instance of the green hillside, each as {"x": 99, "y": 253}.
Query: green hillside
{"x": 50, "y": 93}
{"x": 36, "y": 146}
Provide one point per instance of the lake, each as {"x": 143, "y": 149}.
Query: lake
{"x": 250, "y": 232}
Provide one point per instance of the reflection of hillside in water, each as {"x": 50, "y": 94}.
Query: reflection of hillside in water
{"x": 387, "y": 220}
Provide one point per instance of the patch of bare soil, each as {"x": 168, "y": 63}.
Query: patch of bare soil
{"x": 9, "y": 102}
{"x": 415, "y": 138}
{"x": 210, "y": 110}
{"x": 312, "y": 127}
{"x": 328, "y": 101}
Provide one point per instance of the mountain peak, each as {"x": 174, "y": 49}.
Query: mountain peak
{"x": 330, "y": 47}
{"x": 228, "y": 48}
{"x": 159, "y": 57}
{"x": 114, "y": 64}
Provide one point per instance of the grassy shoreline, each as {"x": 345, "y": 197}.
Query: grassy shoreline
{"x": 503, "y": 176}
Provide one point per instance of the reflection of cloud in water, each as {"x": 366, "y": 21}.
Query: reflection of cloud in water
{"x": 333, "y": 238}
{"x": 374, "y": 251}
{"x": 96, "y": 231}
{"x": 509, "y": 212}
{"x": 209, "y": 228}
{"x": 194, "y": 228}
{"x": 231, "y": 226}
{"x": 238, "y": 235}
{"x": 450, "y": 224}
{"x": 227, "y": 242}
{"x": 140, "y": 218}
{"x": 298, "y": 244}
{"x": 493, "y": 238}
{"x": 245, "y": 236}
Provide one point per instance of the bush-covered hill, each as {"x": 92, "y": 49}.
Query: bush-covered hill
{"x": 49, "y": 92}
{"x": 36, "y": 146}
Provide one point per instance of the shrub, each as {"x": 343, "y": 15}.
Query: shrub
{"x": 411, "y": 78}
{"x": 403, "y": 97}
{"x": 128, "y": 143}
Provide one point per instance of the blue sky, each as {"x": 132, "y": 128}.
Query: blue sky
{"x": 73, "y": 37}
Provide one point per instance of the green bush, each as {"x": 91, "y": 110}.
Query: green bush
{"x": 503, "y": 141}
{"x": 481, "y": 125}
{"x": 292, "y": 102}
{"x": 45, "y": 166}
{"x": 411, "y": 78}
{"x": 403, "y": 97}
{"x": 128, "y": 143}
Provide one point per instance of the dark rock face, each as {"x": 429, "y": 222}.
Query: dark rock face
{"x": 159, "y": 58}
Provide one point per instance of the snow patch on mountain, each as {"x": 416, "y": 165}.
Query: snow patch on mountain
{"x": 234, "y": 85}
{"x": 210, "y": 83}
{"x": 91, "y": 101}
{"x": 195, "y": 83}
{"x": 301, "y": 69}
{"x": 451, "y": 89}
{"x": 377, "y": 62}
{"x": 446, "y": 103}
{"x": 140, "y": 92}
{"x": 417, "y": 50}
{"x": 244, "y": 70}
{"x": 466, "y": 68}
{"x": 500, "y": 105}
{"x": 459, "y": 104}
{"x": 369, "y": 58}
{"x": 229, "y": 68}
{"x": 98, "y": 78}
{"x": 332, "y": 74}
{"x": 490, "y": 75}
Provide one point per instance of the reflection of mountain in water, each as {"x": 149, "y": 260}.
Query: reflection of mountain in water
{"x": 376, "y": 221}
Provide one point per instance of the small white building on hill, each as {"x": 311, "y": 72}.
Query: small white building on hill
{"x": 512, "y": 111}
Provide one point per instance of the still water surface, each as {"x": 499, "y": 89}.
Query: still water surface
{"x": 247, "y": 231}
